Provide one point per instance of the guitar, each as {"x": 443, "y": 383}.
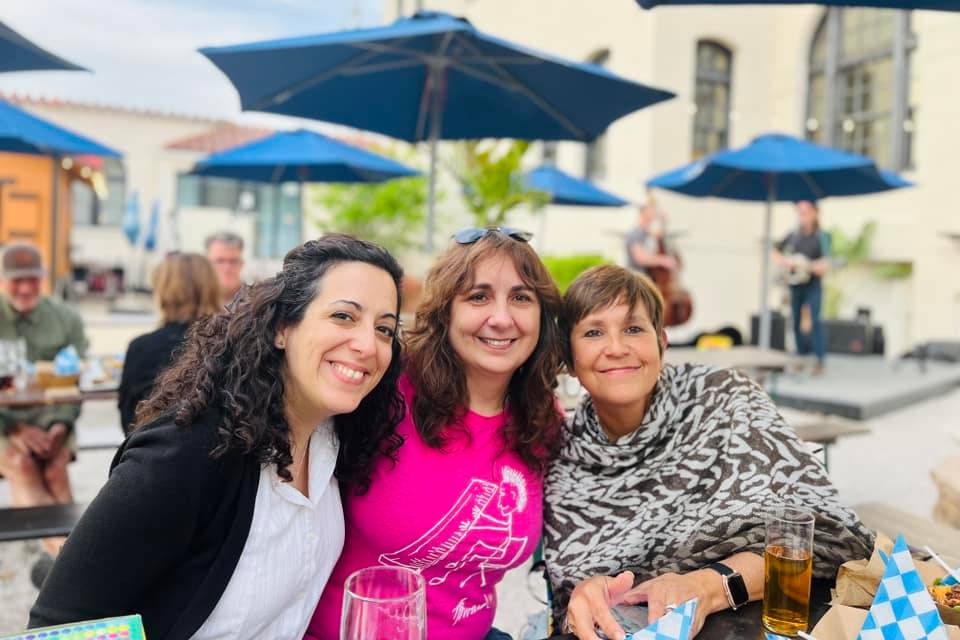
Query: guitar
{"x": 802, "y": 270}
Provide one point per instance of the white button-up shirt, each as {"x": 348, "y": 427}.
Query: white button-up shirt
{"x": 293, "y": 544}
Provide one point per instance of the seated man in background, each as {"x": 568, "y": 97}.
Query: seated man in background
{"x": 36, "y": 443}
{"x": 225, "y": 253}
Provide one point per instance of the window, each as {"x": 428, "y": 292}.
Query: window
{"x": 277, "y": 231}
{"x": 711, "y": 120}
{"x": 110, "y": 210}
{"x": 595, "y": 156}
{"x": 88, "y": 209}
{"x": 858, "y": 85}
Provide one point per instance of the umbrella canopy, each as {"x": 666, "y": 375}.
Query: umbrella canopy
{"x": 940, "y": 5}
{"x": 399, "y": 79}
{"x": 301, "y": 156}
{"x": 21, "y": 132}
{"x": 777, "y": 167}
{"x": 795, "y": 170}
{"x": 432, "y": 76}
{"x": 565, "y": 189}
{"x": 19, "y": 54}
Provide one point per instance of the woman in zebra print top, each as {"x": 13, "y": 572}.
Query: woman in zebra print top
{"x": 665, "y": 470}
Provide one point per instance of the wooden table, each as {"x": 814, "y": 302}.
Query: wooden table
{"x": 744, "y": 623}
{"x": 916, "y": 530}
{"x": 746, "y": 357}
{"x": 35, "y": 396}
{"x": 827, "y": 431}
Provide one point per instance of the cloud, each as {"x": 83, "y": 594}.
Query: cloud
{"x": 143, "y": 53}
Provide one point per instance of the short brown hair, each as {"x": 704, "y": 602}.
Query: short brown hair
{"x": 185, "y": 287}
{"x": 435, "y": 369}
{"x": 605, "y": 286}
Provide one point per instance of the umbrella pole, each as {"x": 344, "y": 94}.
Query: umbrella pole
{"x": 764, "y": 341}
{"x": 431, "y": 189}
{"x": 55, "y": 223}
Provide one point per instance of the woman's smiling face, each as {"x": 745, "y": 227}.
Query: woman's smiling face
{"x": 617, "y": 356}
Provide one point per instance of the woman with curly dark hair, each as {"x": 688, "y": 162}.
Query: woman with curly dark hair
{"x": 222, "y": 513}
{"x": 461, "y": 504}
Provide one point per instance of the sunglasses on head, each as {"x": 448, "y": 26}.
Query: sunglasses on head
{"x": 469, "y": 236}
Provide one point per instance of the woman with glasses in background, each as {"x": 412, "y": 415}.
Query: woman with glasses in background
{"x": 461, "y": 504}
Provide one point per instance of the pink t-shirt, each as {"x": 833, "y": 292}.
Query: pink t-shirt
{"x": 460, "y": 517}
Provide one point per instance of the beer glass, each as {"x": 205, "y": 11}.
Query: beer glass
{"x": 788, "y": 569}
{"x": 384, "y": 602}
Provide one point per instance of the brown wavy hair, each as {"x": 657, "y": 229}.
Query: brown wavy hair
{"x": 231, "y": 365}
{"x": 185, "y": 287}
{"x": 437, "y": 373}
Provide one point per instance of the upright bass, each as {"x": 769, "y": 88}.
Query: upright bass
{"x": 677, "y": 301}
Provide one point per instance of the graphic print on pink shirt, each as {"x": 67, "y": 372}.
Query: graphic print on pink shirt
{"x": 475, "y": 536}
{"x": 461, "y": 515}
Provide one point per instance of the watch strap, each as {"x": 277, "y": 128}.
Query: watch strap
{"x": 734, "y": 587}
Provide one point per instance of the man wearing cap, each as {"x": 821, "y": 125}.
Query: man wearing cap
{"x": 36, "y": 443}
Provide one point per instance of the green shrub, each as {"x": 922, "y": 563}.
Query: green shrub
{"x": 565, "y": 269}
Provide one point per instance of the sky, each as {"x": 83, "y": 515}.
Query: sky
{"x": 143, "y": 53}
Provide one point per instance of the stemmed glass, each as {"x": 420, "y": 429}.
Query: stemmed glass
{"x": 384, "y": 602}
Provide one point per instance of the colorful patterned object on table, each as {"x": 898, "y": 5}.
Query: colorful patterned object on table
{"x": 949, "y": 579}
{"x": 902, "y": 608}
{"x": 120, "y": 628}
{"x": 773, "y": 636}
{"x": 675, "y": 625}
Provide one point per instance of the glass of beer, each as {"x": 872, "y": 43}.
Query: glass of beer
{"x": 788, "y": 569}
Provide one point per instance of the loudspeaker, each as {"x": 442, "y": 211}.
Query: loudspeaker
{"x": 778, "y": 330}
{"x": 848, "y": 336}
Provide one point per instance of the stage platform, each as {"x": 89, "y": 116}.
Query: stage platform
{"x": 862, "y": 387}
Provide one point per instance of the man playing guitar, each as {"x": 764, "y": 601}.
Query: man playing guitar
{"x": 804, "y": 256}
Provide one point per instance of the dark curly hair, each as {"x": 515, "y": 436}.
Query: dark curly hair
{"x": 229, "y": 363}
{"x": 437, "y": 373}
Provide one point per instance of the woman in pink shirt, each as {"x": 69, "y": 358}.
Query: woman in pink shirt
{"x": 460, "y": 501}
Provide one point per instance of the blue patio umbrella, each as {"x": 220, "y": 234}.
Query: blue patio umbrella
{"x": 429, "y": 77}
{"x": 565, "y": 189}
{"x": 939, "y": 5}
{"x": 150, "y": 241}
{"x": 778, "y": 168}
{"x": 301, "y": 156}
{"x": 131, "y": 218}
{"x": 20, "y": 54}
{"x": 21, "y": 132}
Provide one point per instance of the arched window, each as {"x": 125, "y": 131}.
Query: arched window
{"x": 594, "y": 158}
{"x": 858, "y": 85}
{"x": 711, "y": 90}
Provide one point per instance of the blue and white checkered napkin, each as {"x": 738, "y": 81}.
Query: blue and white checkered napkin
{"x": 675, "y": 625}
{"x": 903, "y": 608}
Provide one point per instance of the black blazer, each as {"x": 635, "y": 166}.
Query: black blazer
{"x": 162, "y": 537}
{"x": 147, "y": 356}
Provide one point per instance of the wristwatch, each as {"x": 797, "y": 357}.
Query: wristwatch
{"x": 733, "y": 585}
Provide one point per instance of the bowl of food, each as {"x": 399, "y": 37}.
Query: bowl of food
{"x": 947, "y": 597}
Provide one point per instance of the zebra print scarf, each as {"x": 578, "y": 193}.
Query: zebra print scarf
{"x": 687, "y": 488}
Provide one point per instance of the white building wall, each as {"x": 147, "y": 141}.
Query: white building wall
{"x": 151, "y": 170}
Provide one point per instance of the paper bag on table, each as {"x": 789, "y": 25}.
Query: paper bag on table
{"x": 858, "y": 580}
{"x": 844, "y": 623}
